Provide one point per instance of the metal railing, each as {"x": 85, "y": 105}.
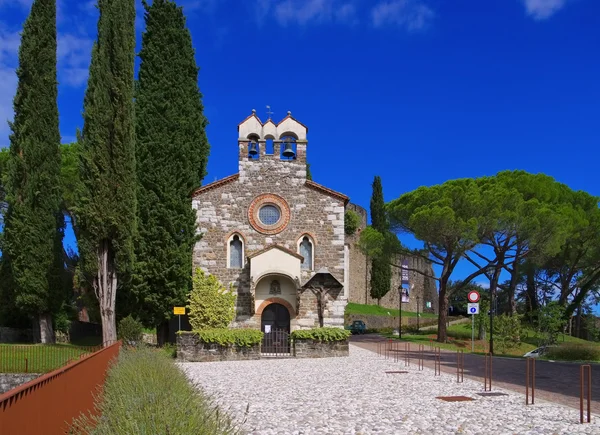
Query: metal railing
{"x": 487, "y": 360}
{"x": 530, "y": 380}
{"x": 460, "y": 366}
{"x": 49, "y": 403}
{"x": 584, "y": 370}
{"x": 40, "y": 358}
{"x": 276, "y": 343}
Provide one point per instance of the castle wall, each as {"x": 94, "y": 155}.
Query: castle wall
{"x": 422, "y": 289}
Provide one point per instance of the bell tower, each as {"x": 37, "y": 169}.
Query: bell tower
{"x": 266, "y": 146}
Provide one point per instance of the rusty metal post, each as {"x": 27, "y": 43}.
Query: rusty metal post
{"x": 421, "y": 352}
{"x": 583, "y": 370}
{"x": 530, "y": 380}
{"x": 407, "y": 354}
{"x": 26, "y": 365}
{"x": 488, "y": 372}
{"x": 437, "y": 362}
{"x": 460, "y": 366}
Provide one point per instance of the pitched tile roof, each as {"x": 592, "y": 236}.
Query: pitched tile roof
{"x": 215, "y": 184}
{"x": 328, "y": 191}
{"x": 276, "y": 246}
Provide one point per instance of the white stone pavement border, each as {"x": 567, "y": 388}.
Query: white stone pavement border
{"x": 354, "y": 395}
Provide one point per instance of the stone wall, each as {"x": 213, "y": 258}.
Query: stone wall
{"x": 222, "y": 209}
{"x": 13, "y": 335}
{"x": 191, "y": 349}
{"x": 378, "y": 322}
{"x": 320, "y": 349}
{"x": 8, "y": 381}
{"x": 422, "y": 288}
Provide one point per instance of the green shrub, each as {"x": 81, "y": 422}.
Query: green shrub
{"x": 351, "y": 222}
{"x": 210, "y": 305}
{"x": 459, "y": 333}
{"x": 170, "y": 350}
{"x": 145, "y": 393}
{"x": 230, "y": 337}
{"x": 63, "y": 318}
{"x": 130, "y": 330}
{"x": 321, "y": 334}
{"x": 574, "y": 352}
{"x": 507, "y": 332}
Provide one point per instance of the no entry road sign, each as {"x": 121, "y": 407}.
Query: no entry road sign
{"x": 473, "y": 296}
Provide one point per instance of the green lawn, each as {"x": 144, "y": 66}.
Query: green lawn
{"x": 459, "y": 337}
{"x": 37, "y": 358}
{"x": 376, "y": 310}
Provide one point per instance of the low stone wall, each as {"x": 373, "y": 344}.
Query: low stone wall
{"x": 149, "y": 339}
{"x": 13, "y": 335}
{"x": 378, "y": 322}
{"x": 191, "y": 349}
{"x": 8, "y": 381}
{"x": 320, "y": 349}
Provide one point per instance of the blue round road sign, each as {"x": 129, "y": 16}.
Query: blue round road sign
{"x": 473, "y": 310}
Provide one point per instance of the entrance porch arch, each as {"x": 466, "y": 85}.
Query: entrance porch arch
{"x": 270, "y": 301}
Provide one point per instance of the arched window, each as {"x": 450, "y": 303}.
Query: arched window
{"x": 306, "y": 250}
{"x": 236, "y": 252}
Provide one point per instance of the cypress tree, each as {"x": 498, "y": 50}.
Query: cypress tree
{"x": 33, "y": 221}
{"x": 381, "y": 271}
{"x": 172, "y": 152}
{"x": 106, "y": 203}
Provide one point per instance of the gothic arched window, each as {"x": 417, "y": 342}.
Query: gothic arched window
{"x": 306, "y": 250}
{"x": 236, "y": 252}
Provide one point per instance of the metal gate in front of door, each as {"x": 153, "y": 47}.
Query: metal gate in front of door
{"x": 276, "y": 343}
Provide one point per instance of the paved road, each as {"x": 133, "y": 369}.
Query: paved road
{"x": 555, "y": 381}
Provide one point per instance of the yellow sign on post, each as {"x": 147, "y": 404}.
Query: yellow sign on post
{"x": 179, "y": 310}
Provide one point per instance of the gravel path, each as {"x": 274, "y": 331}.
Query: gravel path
{"x": 354, "y": 395}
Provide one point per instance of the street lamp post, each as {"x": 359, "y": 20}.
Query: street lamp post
{"x": 418, "y": 313}
{"x": 400, "y": 312}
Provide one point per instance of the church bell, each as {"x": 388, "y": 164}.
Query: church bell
{"x": 253, "y": 151}
{"x": 288, "y": 151}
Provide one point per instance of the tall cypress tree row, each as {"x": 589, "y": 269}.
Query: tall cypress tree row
{"x": 33, "y": 224}
{"x": 106, "y": 205}
{"x": 172, "y": 152}
{"x": 381, "y": 271}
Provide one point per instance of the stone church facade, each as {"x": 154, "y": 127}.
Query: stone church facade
{"x": 271, "y": 235}
{"x": 275, "y": 238}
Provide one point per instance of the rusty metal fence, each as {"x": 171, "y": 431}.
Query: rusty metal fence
{"x": 41, "y": 358}
{"x": 49, "y": 403}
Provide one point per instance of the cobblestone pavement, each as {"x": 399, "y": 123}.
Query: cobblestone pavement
{"x": 355, "y": 395}
{"x": 555, "y": 381}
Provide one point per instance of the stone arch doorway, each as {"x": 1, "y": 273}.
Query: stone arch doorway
{"x": 274, "y": 317}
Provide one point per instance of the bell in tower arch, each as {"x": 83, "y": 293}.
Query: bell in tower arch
{"x": 288, "y": 150}
{"x": 253, "y": 149}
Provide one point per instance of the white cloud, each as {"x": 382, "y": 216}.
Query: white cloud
{"x": 74, "y": 54}
{"x": 412, "y": 15}
{"x": 306, "y": 12}
{"x": 26, "y": 4}
{"x": 9, "y": 49}
{"x": 8, "y": 86}
{"x": 542, "y": 9}
{"x": 483, "y": 284}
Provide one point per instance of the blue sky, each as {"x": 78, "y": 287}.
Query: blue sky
{"x": 416, "y": 91}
